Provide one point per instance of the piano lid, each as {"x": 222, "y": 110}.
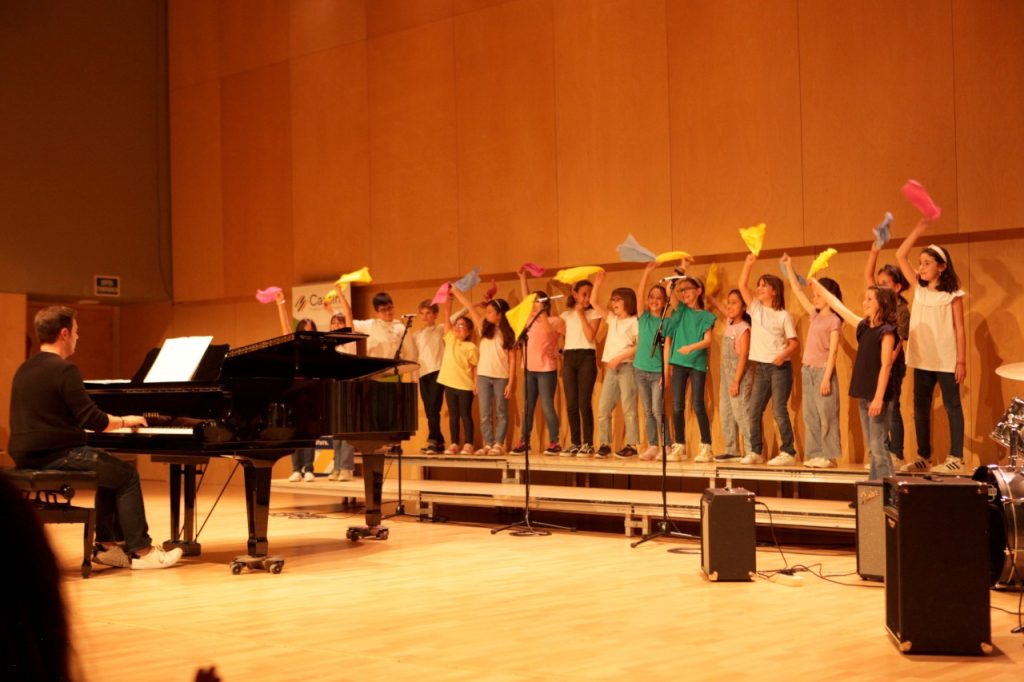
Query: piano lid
{"x": 307, "y": 354}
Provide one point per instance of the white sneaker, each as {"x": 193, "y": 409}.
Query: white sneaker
{"x": 467, "y": 449}
{"x": 496, "y": 450}
{"x": 344, "y": 475}
{"x": 704, "y": 454}
{"x": 334, "y": 475}
{"x": 677, "y": 453}
{"x": 917, "y": 466}
{"x": 650, "y": 453}
{"x": 751, "y": 458}
{"x": 867, "y": 463}
{"x": 115, "y": 556}
{"x": 820, "y": 463}
{"x": 308, "y": 477}
{"x": 452, "y": 449}
{"x": 482, "y": 451}
{"x": 952, "y": 465}
{"x": 783, "y": 459}
{"x": 295, "y": 477}
{"x": 157, "y": 558}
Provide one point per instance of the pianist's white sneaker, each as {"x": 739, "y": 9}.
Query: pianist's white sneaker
{"x": 157, "y": 558}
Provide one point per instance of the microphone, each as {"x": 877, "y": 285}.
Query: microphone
{"x": 545, "y": 297}
{"x": 673, "y": 278}
{"x": 408, "y": 316}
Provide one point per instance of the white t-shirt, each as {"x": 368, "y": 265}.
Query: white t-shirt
{"x": 429, "y": 342}
{"x": 622, "y": 333}
{"x": 383, "y": 338}
{"x": 575, "y": 337}
{"x": 932, "y": 342}
{"x": 769, "y": 330}
{"x": 493, "y": 358}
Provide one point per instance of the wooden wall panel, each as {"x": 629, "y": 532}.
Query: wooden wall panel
{"x": 142, "y": 327}
{"x": 193, "y": 42}
{"x": 257, "y": 180}
{"x": 390, "y": 16}
{"x": 987, "y": 40}
{"x": 876, "y": 80}
{"x": 611, "y": 82}
{"x": 466, "y": 6}
{"x": 196, "y": 192}
{"x": 508, "y": 196}
{"x": 735, "y": 101}
{"x": 994, "y": 310}
{"x": 322, "y": 24}
{"x": 252, "y": 33}
{"x": 413, "y": 183}
{"x": 13, "y": 334}
{"x": 331, "y": 164}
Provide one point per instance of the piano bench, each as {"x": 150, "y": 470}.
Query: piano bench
{"x": 50, "y": 493}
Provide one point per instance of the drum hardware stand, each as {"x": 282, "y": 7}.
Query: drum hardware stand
{"x": 526, "y": 528}
{"x": 666, "y": 527}
{"x": 400, "y": 507}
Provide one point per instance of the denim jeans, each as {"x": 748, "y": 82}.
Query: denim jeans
{"x": 491, "y": 392}
{"x": 344, "y": 455}
{"x": 432, "y": 394}
{"x": 652, "y": 397}
{"x": 734, "y": 409}
{"x": 618, "y": 382}
{"x": 821, "y": 415}
{"x": 460, "y": 408}
{"x": 120, "y": 513}
{"x": 542, "y": 384}
{"x": 680, "y": 377}
{"x": 924, "y": 388}
{"x": 302, "y": 460}
{"x": 579, "y": 374}
{"x": 773, "y": 383}
{"x": 874, "y": 439}
{"x": 894, "y": 439}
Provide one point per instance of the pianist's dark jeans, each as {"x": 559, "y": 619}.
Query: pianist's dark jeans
{"x": 120, "y": 514}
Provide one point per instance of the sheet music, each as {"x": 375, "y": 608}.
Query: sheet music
{"x": 178, "y": 359}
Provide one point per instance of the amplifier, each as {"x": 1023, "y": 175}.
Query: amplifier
{"x": 727, "y": 539}
{"x": 870, "y": 531}
{"x": 937, "y": 566}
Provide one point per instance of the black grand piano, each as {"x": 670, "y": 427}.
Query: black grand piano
{"x": 256, "y": 404}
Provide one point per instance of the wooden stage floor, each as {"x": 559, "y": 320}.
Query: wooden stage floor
{"x": 454, "y": 602}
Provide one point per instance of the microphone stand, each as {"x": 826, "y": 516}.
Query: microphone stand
{"x": 397, "y": 449}
{"x": 666, "y": 528}
{"x": 527, "y": 527}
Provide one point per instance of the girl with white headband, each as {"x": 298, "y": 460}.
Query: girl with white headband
{"x": 936, "y": 349}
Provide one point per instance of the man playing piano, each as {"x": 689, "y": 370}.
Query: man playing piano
{"x": 50, "y": 412}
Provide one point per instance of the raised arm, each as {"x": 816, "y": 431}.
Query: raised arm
{"x": 343, "y": 303}
{"x": 641, "y": 289}
{"x": 745, "y": 292}
{"x": 836, "y": 305}
{"x": 448, "y": 314}
{"x": 466, "y": 307}
{"x": 870, "y": 264}
{"x": 595, "y": 298}
{"x": 715, "y": 303}
{"x": 903, "y": 253}
{"x": 794, "y": 284}
{"x": 523, "y": 290}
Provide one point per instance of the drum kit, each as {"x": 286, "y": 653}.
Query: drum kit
{"x": 1006, "y": 492}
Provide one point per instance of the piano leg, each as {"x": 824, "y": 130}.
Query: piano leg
{"x": 257, "y": 507}
{"x": 182, "y": 479}
{"x": 373, "y": 489}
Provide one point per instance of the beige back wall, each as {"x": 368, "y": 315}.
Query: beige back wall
{"x": 424, "y": 137}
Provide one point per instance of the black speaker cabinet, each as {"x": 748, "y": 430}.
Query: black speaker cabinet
{"x": 727, "y": 538}
{"x": 936, "y": 565}
{"x": 870, "y": 531}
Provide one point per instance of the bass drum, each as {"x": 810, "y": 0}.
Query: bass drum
{"x": 1006, "y": 524}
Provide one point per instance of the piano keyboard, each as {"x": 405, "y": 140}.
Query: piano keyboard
{"x": 156, "y": 430}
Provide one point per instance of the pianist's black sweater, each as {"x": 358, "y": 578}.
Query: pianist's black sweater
{"x": 49, "y": 411}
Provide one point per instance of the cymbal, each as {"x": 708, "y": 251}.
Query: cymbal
{"x": 1013, "y": 371}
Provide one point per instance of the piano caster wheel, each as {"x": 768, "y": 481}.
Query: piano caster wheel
{"x": 274, "y": 564}
{"x": 356, "y": 533}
